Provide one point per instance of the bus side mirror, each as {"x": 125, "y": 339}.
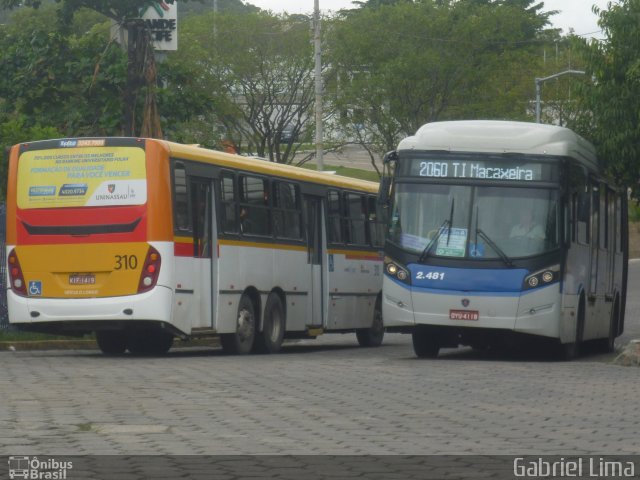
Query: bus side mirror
{"x": 383, "y": 191}
{"x": 385, "y": 181}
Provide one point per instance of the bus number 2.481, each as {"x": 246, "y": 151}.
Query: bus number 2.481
{"x": 126, "y": 262}
{"x": 429, "y": 275}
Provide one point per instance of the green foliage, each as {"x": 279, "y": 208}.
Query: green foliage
{"x": 66, "y": 81}
{"x": 634, "y": 211}
{"x": 243, "y": 78}
{"x": 611, "y": 103}
{"x": 398, "y": 65}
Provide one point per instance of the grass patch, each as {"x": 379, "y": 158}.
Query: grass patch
{"x": 18, "y": 336}
{"x": 634, "y": 211}
{"x": 347, "y": 172}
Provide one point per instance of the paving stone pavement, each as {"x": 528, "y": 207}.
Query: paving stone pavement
{"x": 324, "y": 397}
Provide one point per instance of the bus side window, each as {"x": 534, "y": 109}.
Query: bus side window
{"x": 583, "y": 216}
{"x": 254, "y": 206}
{"x": 375, "y": 224}
{"x": 595, "y": 214}
{"x": 333, "y": 206}
{"x": 182, "y": 218}
{"x": 286, "y": 211}
{"x": 228, "y": 203}
{"x": 356, "y": 215}
{"x": 618, "y": 224}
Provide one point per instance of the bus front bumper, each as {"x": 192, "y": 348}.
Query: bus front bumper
{"x": 536, "y": 312}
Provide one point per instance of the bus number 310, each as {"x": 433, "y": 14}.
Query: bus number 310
{"x": 126, "y": 262}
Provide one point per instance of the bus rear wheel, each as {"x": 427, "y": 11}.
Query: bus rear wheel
{"x": 269, "y": 340}
{"x": 607, "y": 345}
{"x": 241, "y": 342}
{"x": 372, "y": 336}
{"x": 111, "y": 342}
{"x": 425, "y": 344}
{"x": 149, "y": 342}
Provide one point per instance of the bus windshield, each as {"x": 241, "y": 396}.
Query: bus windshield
{"x": 477, "y": 222}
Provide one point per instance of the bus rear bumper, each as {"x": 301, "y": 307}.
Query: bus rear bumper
{"x": 82, "y": 314}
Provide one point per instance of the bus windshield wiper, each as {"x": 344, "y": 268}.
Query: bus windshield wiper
{"x": 493, "y": 245}
{"x": 425, "y": 253}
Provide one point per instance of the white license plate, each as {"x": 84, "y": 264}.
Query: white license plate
{"x": 82, "y": 279}
{"x": 464, "y": 315}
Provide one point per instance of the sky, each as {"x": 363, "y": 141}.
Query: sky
{"x": 574, "y": 14}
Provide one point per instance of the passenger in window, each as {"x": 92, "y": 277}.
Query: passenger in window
{"x": 244, "y": 220}
{"x": 528, "y": 227}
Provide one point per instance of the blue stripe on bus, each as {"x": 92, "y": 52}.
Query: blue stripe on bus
{"x": 467, "y": 279}
{"x": 435, "y": 291}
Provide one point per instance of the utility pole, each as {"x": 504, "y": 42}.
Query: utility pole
{"x": 540, "y": 81}
{"x": 215, "y": 18}
{"x": 318, "y": 74}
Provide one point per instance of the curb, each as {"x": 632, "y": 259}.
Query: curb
{"x": 26, "y": 345}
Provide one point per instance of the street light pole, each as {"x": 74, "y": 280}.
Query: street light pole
{"x": 318, "y": 83}
{"x": 540, "y": 81}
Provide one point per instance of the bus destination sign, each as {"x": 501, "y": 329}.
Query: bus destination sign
{"x": 479, "y": 169}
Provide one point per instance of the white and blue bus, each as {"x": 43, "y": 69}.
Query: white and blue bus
{"x": 501, "y": 232}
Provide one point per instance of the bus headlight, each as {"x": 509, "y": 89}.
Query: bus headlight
{"x": 396, "y": 271}
{"x": 542, "y": 278}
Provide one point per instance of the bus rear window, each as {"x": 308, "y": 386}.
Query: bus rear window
{"x": 78, "y": 177}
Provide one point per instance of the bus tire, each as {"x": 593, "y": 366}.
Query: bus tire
{"x": 149, "y": 342}
{"x": 111, "y": 342}
{"x": 269, "y": 340}
{"x": 372, "y": 336}
{"x": 425, "y": 344}
{"x": 569, "y": 351}
{"x": 241, "y": 342}
{"x": 607, "y": 345}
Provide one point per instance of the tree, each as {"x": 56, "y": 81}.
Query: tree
{"x": 140, "y": 64}
{"x": 69, "y": 82}
{"x": 402, "y": 64}
{"x": 611, "y": 118}
{"x": 257, "y": 69}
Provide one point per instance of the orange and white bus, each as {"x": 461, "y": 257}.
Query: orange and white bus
{"x": 143, "y": 240}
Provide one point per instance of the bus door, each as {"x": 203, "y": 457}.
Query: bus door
{"x": 313, "y": 220}
{"x": 203, "y": 245}
{"x": 595, "y": 239}
{"x": 193, "y": 261}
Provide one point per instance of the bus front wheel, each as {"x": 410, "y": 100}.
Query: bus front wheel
{"x": 269, "y": 340}
{"x": 372, "y": 336}
{"x": 241, "y": 342}
{"x": 425, "y": 344}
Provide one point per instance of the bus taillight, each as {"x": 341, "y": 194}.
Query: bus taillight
{"x": 15, "y": 274}
{"x": 150, "y": 271}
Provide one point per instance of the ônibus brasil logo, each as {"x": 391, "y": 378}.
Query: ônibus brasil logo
{"x": 32, "y": 468}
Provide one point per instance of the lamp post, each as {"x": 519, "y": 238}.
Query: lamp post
{"x": 318, "y": 84}
{"x": 540, "y": 81}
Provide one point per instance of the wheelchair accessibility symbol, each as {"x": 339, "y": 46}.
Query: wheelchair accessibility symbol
{"x": 35, "y": 288}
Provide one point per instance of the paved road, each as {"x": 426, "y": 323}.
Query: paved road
{"x": 324, "y": 397}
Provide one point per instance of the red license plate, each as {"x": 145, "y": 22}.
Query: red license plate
{"x": 464, "y": 315}
{"x": 82, "y": 279}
